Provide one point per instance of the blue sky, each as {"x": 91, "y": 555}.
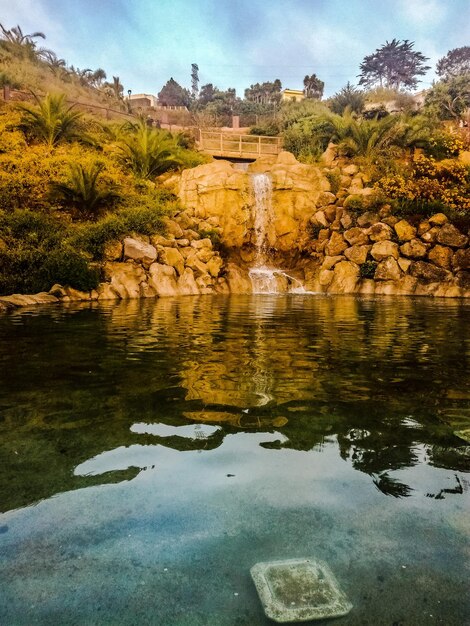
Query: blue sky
{"x": 237, "y": 42}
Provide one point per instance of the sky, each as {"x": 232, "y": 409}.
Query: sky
{"x": 237, "y": 42}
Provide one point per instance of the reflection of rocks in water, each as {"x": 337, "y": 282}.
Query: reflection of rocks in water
{"x": 239, "y": 420}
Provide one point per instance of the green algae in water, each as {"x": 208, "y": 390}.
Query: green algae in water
{"x": 299, "y": 590}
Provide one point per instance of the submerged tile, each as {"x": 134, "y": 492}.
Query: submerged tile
{"x": 299, "y": 590}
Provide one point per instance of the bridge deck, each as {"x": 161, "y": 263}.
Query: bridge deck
{"x": 231, "y": 145}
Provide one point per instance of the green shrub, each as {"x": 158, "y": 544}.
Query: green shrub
{"x": 213, "y": 235}
{"x": 334, "y": 178}
{"x": 367, "y": 269}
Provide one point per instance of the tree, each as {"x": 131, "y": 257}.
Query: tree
{"x": 455, "y": 63}
{"x": 81, "y": 191}
{"x": 172, "y": 94}
{"x": 55, "y": 64}
{"x": 207, "y": 93}
{"x": 265, "y": 93}
{"x": 20, "y": 44}
{"x": 348, "y": 98}
{"x": 395, "y": 65}
{"x": 147, "y": 152}
{"x": 449, "y": 99}
{"x": 51, "y": 120}
{"x": 313, "y": 87}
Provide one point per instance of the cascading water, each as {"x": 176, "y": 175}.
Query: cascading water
{"x": 266, "y": 279}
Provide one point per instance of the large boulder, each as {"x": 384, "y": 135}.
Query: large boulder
{"x": 163, "y": 279}
{"x": 125, "y": 279}
{"x": 448, "y": 235}
{"x": 404, "y": 230}
{"x": 387, "y": 269}
{"x": 345, "y": 278}
{"x": 414, "y": 249}
{"x": 356, "y": 236}
{"x": 441, "y": 256}
{"x": 380, "y": 232}
{"x": 139, "y": 251}
{"x": 336, "y": 245}
{"x": 427, "y": 272}
{"x": 461, "y": 260}
{"x": 357, "y": 254}
{"x": 383, "y": 249}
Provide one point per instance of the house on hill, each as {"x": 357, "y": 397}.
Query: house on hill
{"x": 292, "y": 95}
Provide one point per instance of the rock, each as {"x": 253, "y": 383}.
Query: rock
{"x": 330, "y": 154}
{"x": 448, "y": 235}
{"x": 202, "y": 243}
{"x": 461, "y": 260}
{"x": 404, "y": 264}
{"x": 350, "y": 170}
{"x": 336, "y": 245}
{"x": 146, "y": 290}
{"x": 125, "y": 279}
{"x": 357, "y": 254}
{"x": 439, "y": 219}
{"x": 187, "y": 284}
{"x": 319, "y": 219}
{"x": 380, "y": 232}
{"x": 19, "y": 300}
{"x": 383, "y": 249}
{"x": 427, "y": 272}
{"x": 286, "y": 158}
{"x": 238, "y": 279}
{"x": 367, "y": 219}
{"x": 58, "y": 291}
{"x": 391, "y": 220}
{"x": 330, "y": 261}
{"x": 423, "y": 227}
{"x": 205, "y": 254}
{"x": 163, "y": 279}
{"x": 190, "y": 234}
{"x": 326, "y": 198}
{"x": 183, "y": 243}
{"x": 140, "y": 251}
{"x": 430, "y": 236}
{"x": 463, "y": 280}
{"x": 106, "y": 292}
{"x": 159, "y": 241}
{"x": 214, "y": 266}
{"x": 197, "y": 266}
{"x": 113, "y": 251}
{"x": 174, "y": 228}
{"x": 345, "y": 278}
{"x": 75, "y": 295}
{"x": 346, "y": 220}
{"x": 414, "y": 249}
{"x": 172, "y": 257}
{"x": 330, "y": 213}
{"x": 441, "y": 256}
{"x": 388, "y": 269}
{"x": 325, "y": 277}
{"x": 405, "y": 231}
{"x": 356, "y": 236}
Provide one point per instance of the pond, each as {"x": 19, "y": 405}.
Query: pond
{"x": 151, "y": 452}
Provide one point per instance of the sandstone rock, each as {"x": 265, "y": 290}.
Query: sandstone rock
{"x": 58, "y": 291}
{"x": 330, "y": 154}
{"x": 326, "y": 198}
{"x": 439, "y": 219}
{"x": 190, "y": 234}
{"x": 356, "y": 236}
{"x": 380, "y": 232}
{"x": 336, "y": 245}
{"x": 430, "y": 236}
{"x": 463, "y": 279}
{"x": 448, "y": 235}
{"x": 172, "y": 257}
{"x": 147, "y": 290}
{"x": 325, "y": 277}
{"x": 383, "y": 249}
{"x": 238, "y": 279}
{"x": 367, "y": 219}
{"x": 205, "y": 254}
{"x": 414, "y": 249}
{"x": 18, "y": 300}
{"x": 183, "y": 243}
{"x": 356, "y": 185}
{"x": 345, "y": 181}
{"x": 161, "y": 241}
{"x": 163, "y": 279}
{"x": 357, "y": 254}
{"x": 286, "y": 158}
{"x": 125, "y": 279}
{"x": 174, "y": 228}
{"x": 391, "y": 220}
{"x": 441, "y": 256}
{"x": 346, "y": 220}
{"x": 79, "y": 296}
{"x": 345, "y": 278}
{"x": 404, "y": 264}
{"x": 461, "y": 260}
{"x": 388, "y": 269}
{"x": 106, "y": 292}
{"x": 330, "y": 261}
{"x": 214, "y": 266}
{"x": 319, "y": 219}
{"x": 205, "y": 284}
{"x": 423, "y": 227}
{"x": 186, "y": 283}
{"x": 350, "y": 170}
{"x": 330, "y": 213}
{"x": 404, "y": 230}
{"x": 427, "y": 272}
{"x": 197, "y": 266}
{"x": 202, "y": 243}
{"x": 140, "y": 251}
{"x": 112, "y": 251}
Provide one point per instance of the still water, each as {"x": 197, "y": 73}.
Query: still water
{"x": 152, "y": 452}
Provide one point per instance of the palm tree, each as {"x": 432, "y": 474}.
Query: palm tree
{"x": 55, "y": 64}
{"x": 147, "y": 152}
{"x": 81, "y": 192}
{"x": 51, "y": 120}
{"x": 362, "y": 137}
{"x": 19, "y": 43}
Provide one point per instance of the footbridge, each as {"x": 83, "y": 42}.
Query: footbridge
{"x": 231, "y": 145}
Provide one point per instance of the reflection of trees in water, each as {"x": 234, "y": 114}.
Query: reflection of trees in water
{"x": 344, "y": 367}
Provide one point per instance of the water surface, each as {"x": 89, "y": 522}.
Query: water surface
{"x": 152, "y": 452}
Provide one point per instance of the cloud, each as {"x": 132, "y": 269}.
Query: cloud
{"x": 423, "y": 13}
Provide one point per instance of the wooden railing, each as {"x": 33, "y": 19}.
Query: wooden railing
{"x": 232, "y": 145}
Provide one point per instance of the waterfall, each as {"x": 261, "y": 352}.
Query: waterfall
{"x": 265, "y": 278}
